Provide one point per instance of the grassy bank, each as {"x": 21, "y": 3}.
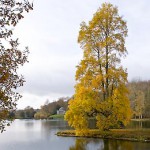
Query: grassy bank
{"x": 121, "y": 134}
{"x": 57, "y": 116}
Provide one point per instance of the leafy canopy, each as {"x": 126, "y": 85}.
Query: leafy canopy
{"x": 10, "y": 56}
{"x": 100, "y": 90}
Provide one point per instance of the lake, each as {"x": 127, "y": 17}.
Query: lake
{"x": 40, "y": 135}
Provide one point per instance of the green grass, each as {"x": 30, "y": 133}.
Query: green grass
{"x": 121, "y": 134}
{"x": 57, "y": 116}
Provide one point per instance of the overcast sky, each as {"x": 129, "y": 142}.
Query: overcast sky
{"x": 51, "y": 32}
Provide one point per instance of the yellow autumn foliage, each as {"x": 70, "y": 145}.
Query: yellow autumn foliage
{"x": 100, "y": 90}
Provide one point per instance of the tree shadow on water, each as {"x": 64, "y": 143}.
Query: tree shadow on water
{"x": 80, "y": 144}
{"x": 99, "y": 144}
{"x": 117, "y": 145}
{"x": 87, "y": 144}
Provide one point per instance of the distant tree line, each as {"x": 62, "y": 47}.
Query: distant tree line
{"x": 49, "y": 109}
{"x": 27, "y": 113}
{"x": 46, "y": 110}
{"x": 139, "y": 95}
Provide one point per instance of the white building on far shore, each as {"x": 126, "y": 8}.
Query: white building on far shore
{"x": 61, "y": 111}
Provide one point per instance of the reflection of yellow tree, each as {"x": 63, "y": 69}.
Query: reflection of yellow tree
{"x": 80, "y": 144}
{"x": 117, "y": 145}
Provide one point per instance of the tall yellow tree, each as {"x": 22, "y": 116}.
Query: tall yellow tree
{"x": 100, "y": 89}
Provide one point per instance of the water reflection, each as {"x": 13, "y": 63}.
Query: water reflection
{"x": 45, "y": 129}
{"x": 99, "y": 144}
{"x": 49, "y": 127}
{"x": 117, "y": 145}
{"x": 40, "y": 134}
{"x": 79, "y": 144}
{"x": 29, "y": 124}
{"x": 87, "y": 144}
{"x": 54, "y": 124}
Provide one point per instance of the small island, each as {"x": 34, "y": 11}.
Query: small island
{"x": 117, "y": 134}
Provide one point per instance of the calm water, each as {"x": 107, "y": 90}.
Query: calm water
{"x": 40, "y": 135}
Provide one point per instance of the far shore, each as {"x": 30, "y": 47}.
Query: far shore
{"x": 143, "y": 119}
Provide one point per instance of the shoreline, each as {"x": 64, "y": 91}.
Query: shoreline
{"x": 141, "y": 120}
{"x": 116, "y": 134}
